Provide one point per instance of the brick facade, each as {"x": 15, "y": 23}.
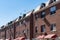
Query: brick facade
{"x": 30, "y": 26}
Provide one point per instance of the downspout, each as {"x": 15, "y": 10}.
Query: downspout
{"x": 31, "y": 25}
{"x": 14, "y": 30}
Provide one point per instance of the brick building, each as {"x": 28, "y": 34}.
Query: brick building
{"x": 41, "y": 23}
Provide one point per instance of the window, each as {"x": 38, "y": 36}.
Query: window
{"x": 53, "y": 27}
{"x": 20, "y": 17}
{"x": 27, "y": 31}
{"x": 27, "y": 19}
{"x": 36, "y": 29}
{"x": 21, "y": 23}
{"x": 43, "y": 5}
{"x": 24, "y": 31}
{"x": 52, "y": 10}
{"x": 12, "y": 34}
{"x": 42, "y": 28}
{"x": 17, "y": 24}
{"x": 43, "y": 14}
{"x": 36, "y": 16}
{"x": 51, "y": 1}
{"x": 24, "y": 21}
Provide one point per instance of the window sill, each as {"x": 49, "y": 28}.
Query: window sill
{"x": 53, "y": 31}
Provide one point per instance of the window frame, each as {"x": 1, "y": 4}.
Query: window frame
{"x": 43, "y": 28}
{"x": 53, "y": 27}
{"x": 53, "y": 10}
{"x": 43, "y": 14}
{"x": 36, "y": 29}
{"x": 36, "y": 16}
{"x": 52, "y": 1}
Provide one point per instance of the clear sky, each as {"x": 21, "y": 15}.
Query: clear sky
{"x": 11, "y": 9}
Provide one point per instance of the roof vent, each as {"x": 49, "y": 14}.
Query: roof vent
{"x": 42, "y": 5}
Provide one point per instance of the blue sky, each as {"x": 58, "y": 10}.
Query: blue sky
{"x": 11, "y": 9}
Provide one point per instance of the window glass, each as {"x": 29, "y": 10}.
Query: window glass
{"x": 42, "y": 28}
{"x": 42, "y": 5}
{"x": 17, "y": 24}
{"x": 27, "y": 31}
{"x": 51, "y": 1}
{"x": 43, "y": 14}
{"x": 36, "y": 16}
{"x": 36, "y": 29}
{"x": 54, "y": 0}
{"x": 24, "y": 31}
{"x": 53, "y": 27}
{"x": 53, "y": 10}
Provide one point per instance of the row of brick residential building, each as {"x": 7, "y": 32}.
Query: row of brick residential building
{"x": 40, "y": 23}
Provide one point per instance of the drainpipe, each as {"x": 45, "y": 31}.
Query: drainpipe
{"x": 5, "y": 34}
{"x": 31, "y": 25}
{"x": 9, "y": 34}
{"x": 14, "y": 30}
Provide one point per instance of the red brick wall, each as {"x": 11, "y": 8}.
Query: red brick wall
{"x": 51, "y": 19}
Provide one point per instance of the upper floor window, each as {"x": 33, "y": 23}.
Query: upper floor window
{"x": 17, "y": 24}
{"x": 43, "y": 14}
{"x": 53, "y": 27}
{"x": 36, "y": 16}
{"x": 42, "y": 28}
{"x": 36, "y": 29}
{"x": 20, "y": 17}
{"x": 52, "y": 10}
{"x": 27, "y": 31}
{"x": 21, "y": 22}
{"x": 51, "y": 1}
{"x": 27, "y": 19}
{"x": 42, "y": 5}
{"x": 24, "y": 31}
